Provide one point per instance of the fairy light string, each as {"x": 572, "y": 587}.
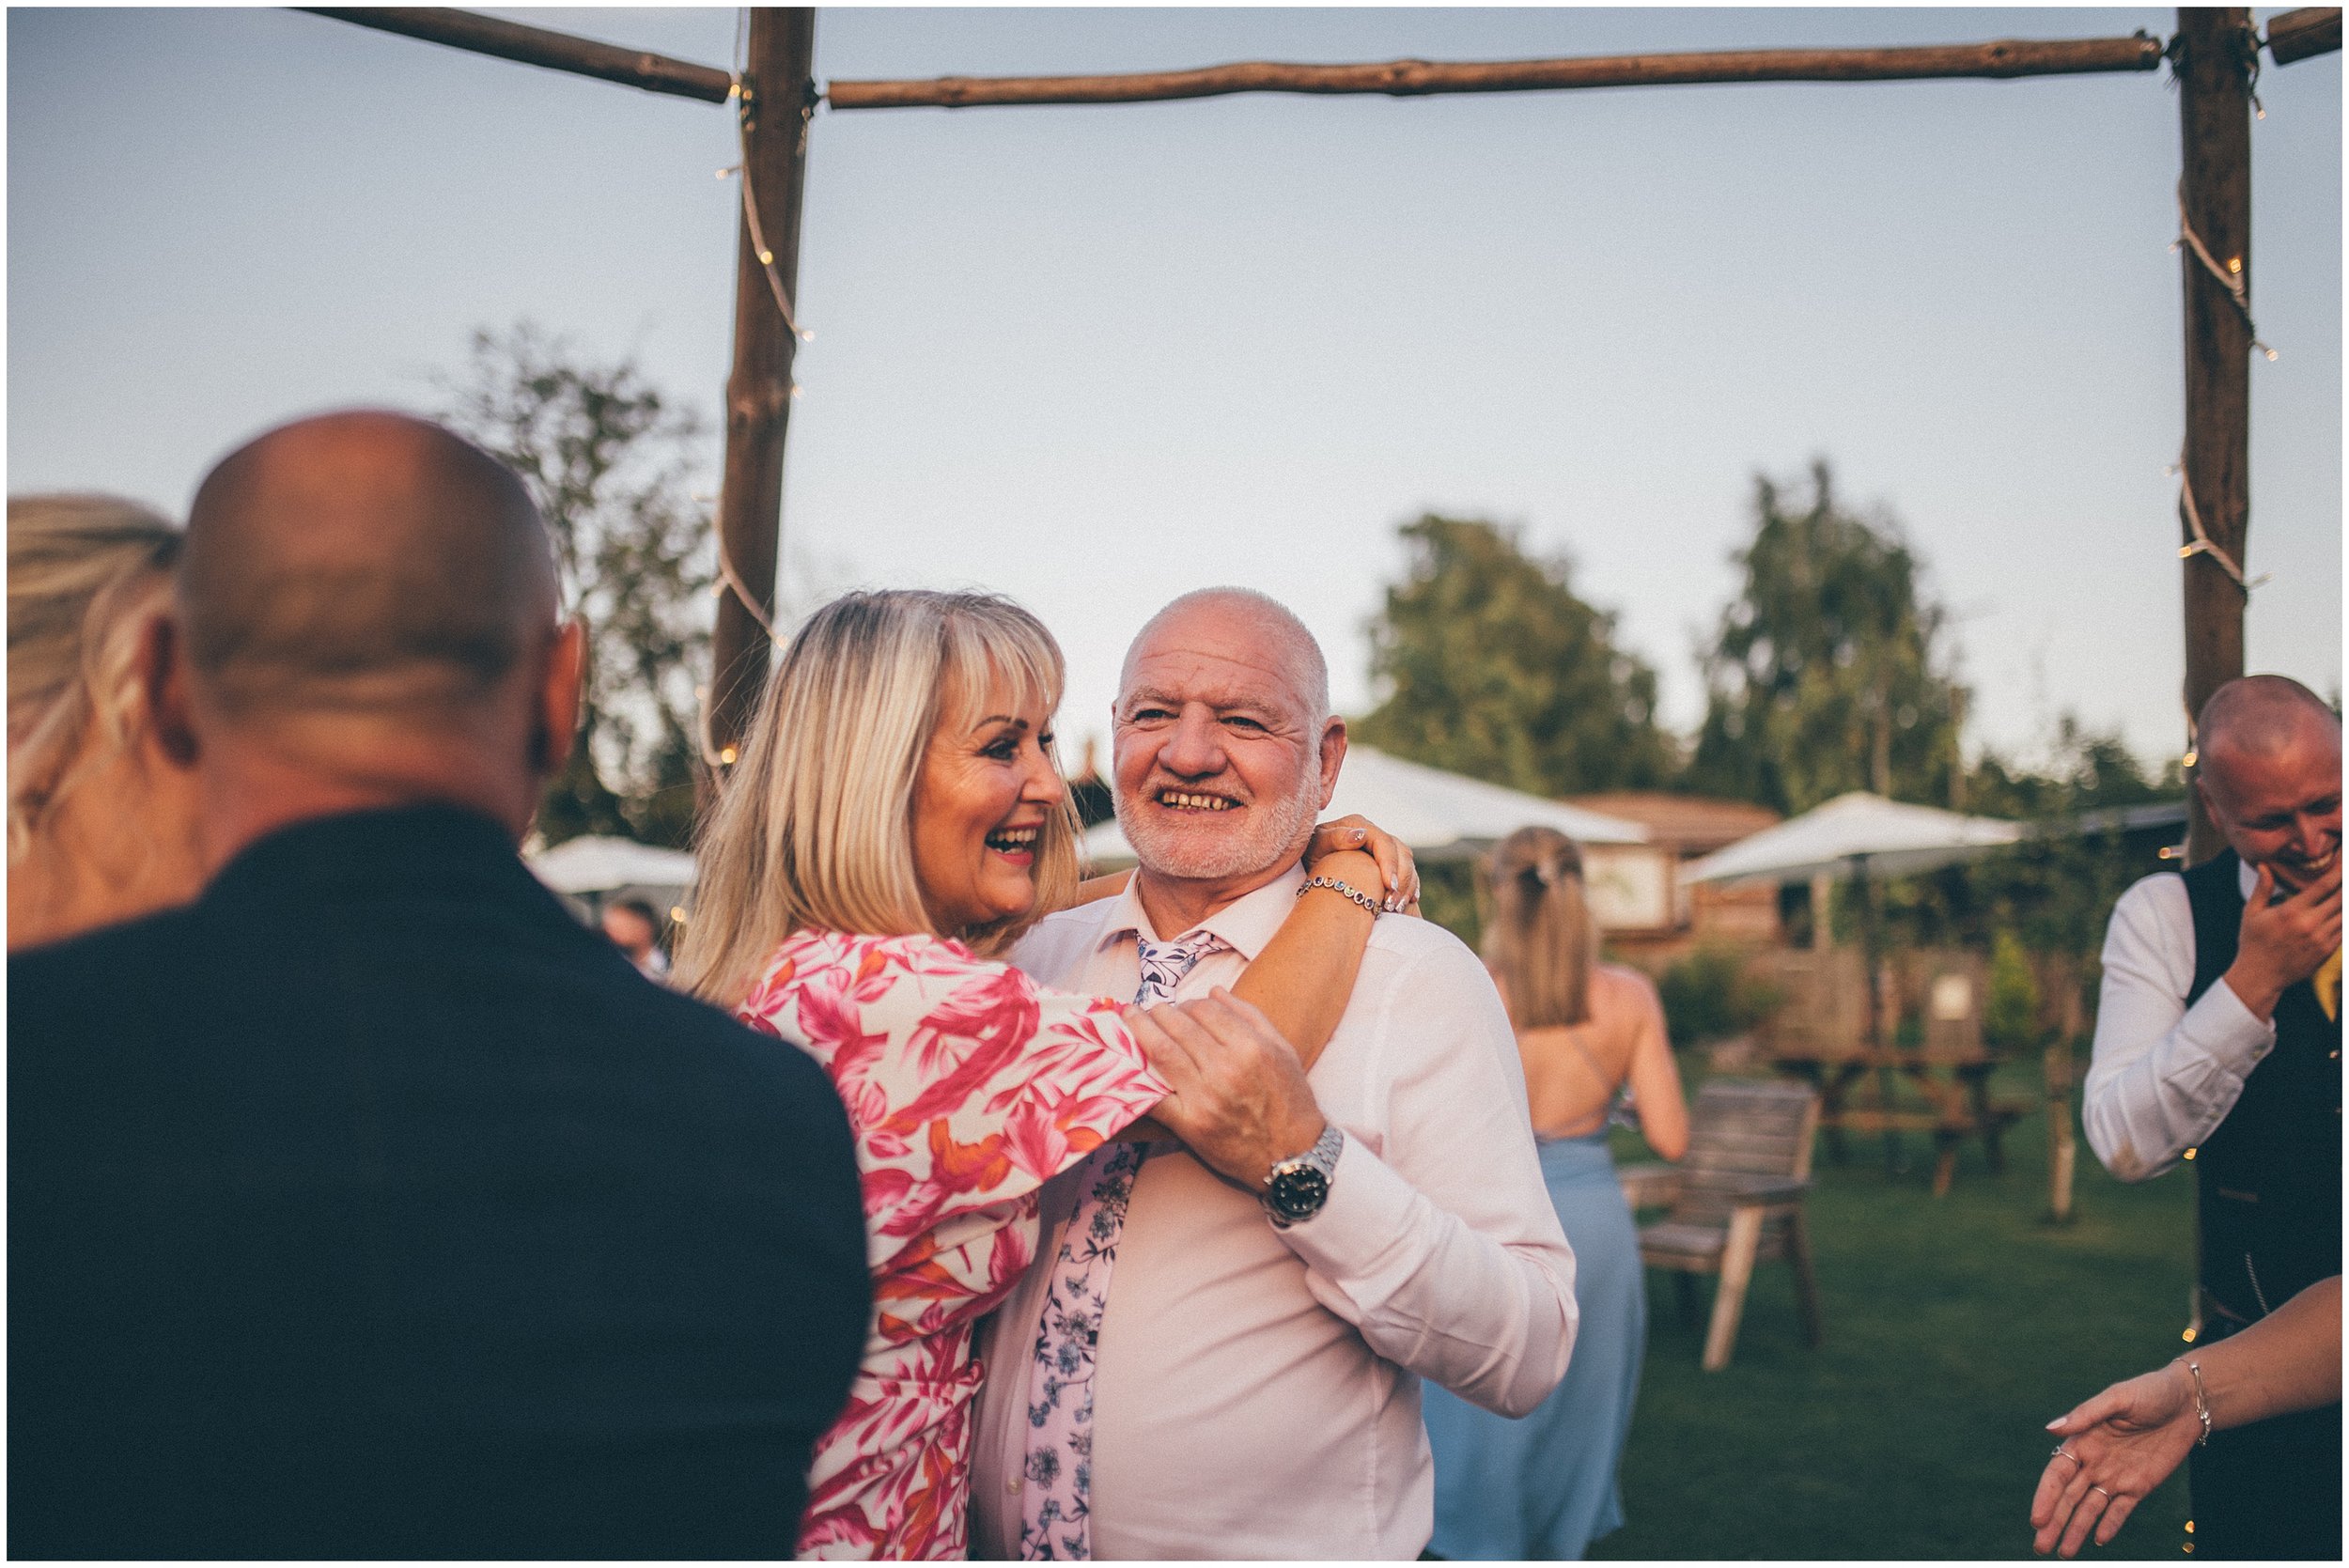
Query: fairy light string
{"x": 2230, "y": 276}
{"x": 729, "y": 580}
{"x": 749, "y": 102}
{"x": 2202, "y": 544}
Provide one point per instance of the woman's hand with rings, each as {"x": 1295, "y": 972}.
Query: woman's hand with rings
{"x": 2122, "y": 1444}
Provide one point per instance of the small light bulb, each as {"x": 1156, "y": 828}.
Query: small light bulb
{"x": 2185, "y": 551}
{"x": 2190, "y": 1526}
{"x": 2189, "y": 1154}
{"x": 2187, "y": 760}
{"x": 676, "y": 912}
{"x": 727, "y": 757}
{"x": 766, "y": 259}
{"x": 2234, "y": 264}
{"x": 807, "y": 335}
{"x": 2187, "y": 1336}
{"x": 2270, "y": 353}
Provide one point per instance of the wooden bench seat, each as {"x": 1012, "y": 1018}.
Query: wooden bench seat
{"x": 1734, "y": 1200}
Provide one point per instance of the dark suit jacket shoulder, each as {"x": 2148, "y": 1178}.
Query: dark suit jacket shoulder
{"x": 372, "y": 1206}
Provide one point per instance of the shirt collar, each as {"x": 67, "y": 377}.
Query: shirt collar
{"x": 2247, "y": 877}
{"x": 1245, "y": 924}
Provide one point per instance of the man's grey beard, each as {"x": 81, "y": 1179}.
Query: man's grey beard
{"x": 1275, "y": 836}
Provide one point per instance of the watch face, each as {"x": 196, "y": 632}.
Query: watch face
{"x": 1300, "y": 1191}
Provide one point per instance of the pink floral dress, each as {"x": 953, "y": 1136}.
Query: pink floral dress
{"x": 968, "y": 1087}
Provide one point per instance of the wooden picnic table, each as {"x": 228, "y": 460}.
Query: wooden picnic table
{"x": 1954, "y": 1086}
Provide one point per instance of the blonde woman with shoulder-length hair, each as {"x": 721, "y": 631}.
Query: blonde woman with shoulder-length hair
{"x": 815, "y": 829}
{"x": 101, "y": 819}
{"x": 1589, "y": 1034}
{"x": 897, "y": 818}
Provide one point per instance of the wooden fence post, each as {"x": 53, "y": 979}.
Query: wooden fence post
{"x": 2217, "y": 52}
{"x": 779, "y": 82}
{"x": 2062, "y": 1146}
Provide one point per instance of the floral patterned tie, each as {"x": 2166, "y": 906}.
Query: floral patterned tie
{"x": 1056, "y": 1497}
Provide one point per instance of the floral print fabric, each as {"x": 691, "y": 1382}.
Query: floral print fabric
{"x": 968, "y": 1087}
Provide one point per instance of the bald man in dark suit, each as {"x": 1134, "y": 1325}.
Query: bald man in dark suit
{"x": 371, "y": 1205}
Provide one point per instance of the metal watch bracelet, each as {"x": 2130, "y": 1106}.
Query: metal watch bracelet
{"x": 1312, "y": 1170}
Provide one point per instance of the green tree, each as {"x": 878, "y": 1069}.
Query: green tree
{"x": 611, "y": 464}
{"x": 1830, "y": 671}
{"x": 2010, "y": 1015}
{"x": 2091, "y": 768}
{"x": 1494, "y": 667}
{"x": 2052, "y": 893}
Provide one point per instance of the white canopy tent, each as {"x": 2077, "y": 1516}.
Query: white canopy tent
{"x": 594, "y": 865}
{"x": 1855, "y": 833}
{"x": 1440, "y": 815}
{"x": 1860, "y": 837}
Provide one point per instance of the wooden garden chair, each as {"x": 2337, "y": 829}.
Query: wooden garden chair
{"x": 1734, "y": 1200}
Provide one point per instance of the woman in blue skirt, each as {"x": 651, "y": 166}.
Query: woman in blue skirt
{"x": 1591, "y": 1036}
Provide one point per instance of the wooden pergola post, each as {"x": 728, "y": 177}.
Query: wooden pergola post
{"x": 779, "y": 99}
{"x": 2217, "y": 52}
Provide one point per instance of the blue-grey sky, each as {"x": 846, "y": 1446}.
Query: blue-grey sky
{"x": 1091, "y": 357}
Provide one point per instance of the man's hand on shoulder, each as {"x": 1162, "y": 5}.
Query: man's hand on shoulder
{"x": 1240, "y": 1098}
{"x": 2283, "y": 944}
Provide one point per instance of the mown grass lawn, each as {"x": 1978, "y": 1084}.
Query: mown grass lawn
{"x": 1956, "y": 1327}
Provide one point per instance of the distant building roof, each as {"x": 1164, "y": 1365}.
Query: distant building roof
{"x": 1688, "y": 824}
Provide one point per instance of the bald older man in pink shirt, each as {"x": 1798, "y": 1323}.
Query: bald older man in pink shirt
{"x": 1218, "y": 1354}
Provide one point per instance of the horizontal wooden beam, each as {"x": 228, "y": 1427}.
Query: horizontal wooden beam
{"x": 2297, "y": 35}
{"x": 1413, "y": 78}
{"x": 537, "y": 46}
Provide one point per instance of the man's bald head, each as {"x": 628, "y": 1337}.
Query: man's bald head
{"x": 2258, "y": 716}
{"x": 2269, "y": 769}
{"x": 362, "y": 562}
{"x": 1258, "y": 619}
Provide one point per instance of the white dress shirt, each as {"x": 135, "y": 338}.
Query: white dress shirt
{"x": 1256, "y": 1393}
{"x": 2164, "y": 1075}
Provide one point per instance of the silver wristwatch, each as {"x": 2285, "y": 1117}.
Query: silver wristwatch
{"x": 1295, "y": 1188}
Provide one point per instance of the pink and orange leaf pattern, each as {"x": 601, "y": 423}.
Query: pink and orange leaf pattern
{"x": 968, "y": 1087}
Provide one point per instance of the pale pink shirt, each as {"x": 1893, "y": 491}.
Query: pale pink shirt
{"x": 1257, "y": 1389}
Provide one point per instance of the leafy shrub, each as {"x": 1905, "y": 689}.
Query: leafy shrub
{"x": 1447, "y": 897}
{"x": 1708, "y": 995}
{"x": 2009, "y": 1014}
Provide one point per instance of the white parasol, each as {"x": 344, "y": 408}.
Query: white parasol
{"x": 593, "y": 865}
{"x": 1856, "y": 833}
